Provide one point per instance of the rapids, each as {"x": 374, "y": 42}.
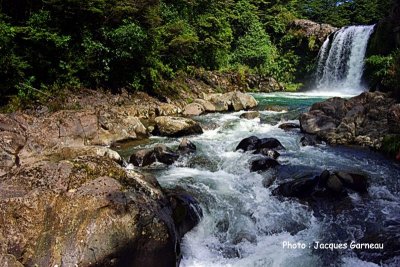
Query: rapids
{"x": 245, "y": 225}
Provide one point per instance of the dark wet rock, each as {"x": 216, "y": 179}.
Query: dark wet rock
{"x": 269, "y": 143}
{"x": 334, "y": 183}
{"x": 268, "y": 153}
{"x": 160, "y": 153}
{"x": 300, "y": 188}
{"x": 289, "y": 126}
{"x": 250, "y": 115}
{"x": 362, "y": 120}
{"x": 187, "y": 212}
{"x": 292, "y": 172}
{"x": 354, "y": 181}
{"x": 310, "y": 140}
{"x": 316, "y": 121}
{"x": 143, "y": 157}
{"x": 260, "y": 145}
{"x": 268, "y": 181}
{"x": 327, "y": 185}
{"x": 186, "y": 146}
{"x": 165, "y": 155}
{"x": 176, "y": 126}
{"x": 249, "y": 143}
{"x": 263, "y": 164}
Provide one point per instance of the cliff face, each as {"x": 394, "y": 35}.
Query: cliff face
{"x": 315, "y": 32}
{"x": 386, "y": 37}
{"x": 307, "y": 38}
{"x": 382, "y": 71}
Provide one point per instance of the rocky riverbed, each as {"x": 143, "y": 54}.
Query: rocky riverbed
{"x": 262, "y": 181}
{"x": 66, "y": 198}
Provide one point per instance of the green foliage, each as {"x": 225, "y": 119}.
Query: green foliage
{"x": 254, "y": 48}
{"x": 384, "y": 72}
{"x": 340, "y": 13}
{"x": 49, "y": 45}
{"x": 391, "y": 145}
{"x": 13, "y": 66}
{"x": 380, "y": 65}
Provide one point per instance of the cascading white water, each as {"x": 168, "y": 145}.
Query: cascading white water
{"x": 245, "y": 225}
{"x": 341, "y": 60}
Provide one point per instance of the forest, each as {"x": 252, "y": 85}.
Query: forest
{"x": 47, "y": 46}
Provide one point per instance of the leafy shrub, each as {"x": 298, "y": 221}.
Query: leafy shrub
{"x": 391, "y": 145}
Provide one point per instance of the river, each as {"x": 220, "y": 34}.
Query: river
{"x": 245, "y": 225}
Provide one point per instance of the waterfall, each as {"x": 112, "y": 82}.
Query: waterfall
{"x": 341, "y": 60}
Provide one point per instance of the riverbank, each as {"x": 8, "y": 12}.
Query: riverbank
{"x": 65, "y": 196}
{"x": 60, "y": 177}
{"x": 369, "y": 120}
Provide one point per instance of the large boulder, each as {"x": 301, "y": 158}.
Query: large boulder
{"x": 143, "y": 157}
{"x": 207, "y": 105}
{"x": 176, "y": 126}
{"x": 242, "y": 101}
{"x": 269, "y": 143}
{"x": 193, "y": 109}
{"x": 326, "y": 185}
{"x": 186, "y": 146}
{"x": 354, "y": 181}
{"x": 249, "y": 143}
{"x": 186, "y": 210}
{"x": 165, "y": 155}
{"x": 255, "y": 143}
{"x": 232, "y": 101}
{"x": 299, "y": 188}
{"x": 26, "y": 139}
{"x": 87, "y": 212}
{"x": 70, "y": 152}
{"x": 263, "y": 164}
{"x": 222, "y": 102}
{"x": 160, "y": 153}
{"x": 316, "y": 121}
{"x": 362, "y": 120}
